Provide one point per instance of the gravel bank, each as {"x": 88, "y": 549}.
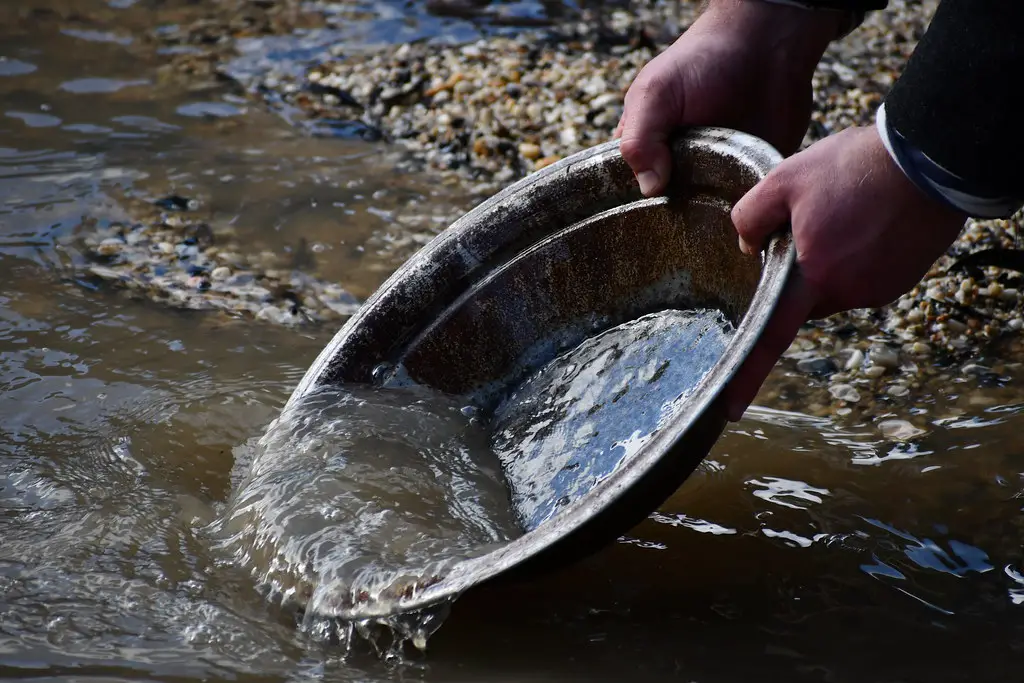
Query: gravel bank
{"x": 172, "y": 254}
{"x": 485, "y": 113}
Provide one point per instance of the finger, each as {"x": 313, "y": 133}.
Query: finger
{"x": 651, "y": 113}
{"x": 618, "y": 128}
{"x": 793, "y": 309}
{"x": 763, "y": 210}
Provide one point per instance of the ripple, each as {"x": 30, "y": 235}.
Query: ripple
{"x": 209, "y": 109}
{"x": 15, "y": 67}
{"x": 97, "y": 36}
{"x": 34, "y": 120}
{"x": 86, "y": 86}
{"x": 776, "y": 490}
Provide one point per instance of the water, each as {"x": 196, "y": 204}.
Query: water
{"x": 360, "y": 496}
{"x": 574, "y": 421}
{"x": 800, "y": 551}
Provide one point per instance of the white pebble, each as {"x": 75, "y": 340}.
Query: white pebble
{"x": 855, "y": 360}
{"x": 884, "y": 356}
{"x": 875, "y": 371}
{"x": 221, "y": 273}
{"x": 109, "y": 247}
{"x": 899, "y": 430}
{"x": 921, "y": 349}
{"x": 898, "y": 390}
{"x": 844, "y": 392}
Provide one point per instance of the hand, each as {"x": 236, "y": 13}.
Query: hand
{"x": 743, "y": 64}
{"x": 864, "y": 236}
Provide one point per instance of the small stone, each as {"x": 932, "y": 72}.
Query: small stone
{"x": 165, "y": 248}
{"x": 110, "y": 247}
{"x": 529, "y": 150}
{"x": 884, "y": 356}
{"x": 875, "y": 371}
{"x": 921, "y": 349}
{"x": 855, "y": 360}
{"x": 817, "y": 366}
{"x": 898, "y": 390}
{"x": 844, "y": 392}
{"x": 221, "y": 273}
{"x": 546, "y": 161}
{"x": 899, "y": 430}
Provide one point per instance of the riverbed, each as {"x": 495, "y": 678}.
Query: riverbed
{"x": 806, "y": 548}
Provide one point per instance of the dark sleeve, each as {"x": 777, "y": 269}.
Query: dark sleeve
{"x": 958, "y": 99}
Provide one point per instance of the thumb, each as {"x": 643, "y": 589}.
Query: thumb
{"x": 651, "y": 112}
{"x": 763, "y": 210}
{"x": 792, "y": 310}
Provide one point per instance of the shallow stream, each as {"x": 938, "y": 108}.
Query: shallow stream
{"x": 799, "y": 551}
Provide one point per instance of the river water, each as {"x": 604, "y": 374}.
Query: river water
{"x": 799, "y": 551}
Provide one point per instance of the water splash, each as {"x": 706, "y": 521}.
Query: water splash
{"x": 360, "y": 496}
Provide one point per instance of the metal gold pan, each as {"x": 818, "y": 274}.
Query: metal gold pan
{"x": 557, "y": 257}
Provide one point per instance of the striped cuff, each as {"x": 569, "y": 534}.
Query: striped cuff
{"x": 936, "y": 181}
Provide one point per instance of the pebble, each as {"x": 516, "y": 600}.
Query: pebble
{"x": 844, "y": 392}
{"x": 883, "y": 357}
{"x": 899, "y": 430}
{"x": 817, "y": 366}
{"x": 875, "y": 371}
{"x": 110, "y": 247}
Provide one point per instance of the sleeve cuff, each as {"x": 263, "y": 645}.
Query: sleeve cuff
{"x": 939, "y": 183}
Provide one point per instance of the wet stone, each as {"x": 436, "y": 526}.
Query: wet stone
{"x": 817, "y": 366}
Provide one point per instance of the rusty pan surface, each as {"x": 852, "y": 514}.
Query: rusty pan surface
{"x": 559, "y": 256}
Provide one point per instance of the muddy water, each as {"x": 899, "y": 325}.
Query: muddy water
{"x": 800, "y": 551}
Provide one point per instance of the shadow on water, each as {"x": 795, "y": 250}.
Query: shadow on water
{"x": 799, "y": 551}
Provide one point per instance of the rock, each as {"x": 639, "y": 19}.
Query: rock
{"x": 884, "y": 356}
{"x": 529, "y": 150}
{"x": 855, "y": 360}
{"x": 221, "y": 273}
{"x": 899, "y": 430}
{"x": 921, "y": 349}
{"x": 875, "y": 371}
{"x": 110, "y": 247}
{"x": 898, "y": 390}
{"x": 844, "y": 392}
{"x": 975, "y": 369}
{"x": 817, "y": 366}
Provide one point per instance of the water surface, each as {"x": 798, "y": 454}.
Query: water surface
{"x": 799, "y": 551}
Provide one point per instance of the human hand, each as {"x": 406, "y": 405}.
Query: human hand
{"x": 864, "y": 236}
{"x": 742, "y": 64}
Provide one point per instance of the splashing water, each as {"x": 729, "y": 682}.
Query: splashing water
{"x": 358, "y": 495}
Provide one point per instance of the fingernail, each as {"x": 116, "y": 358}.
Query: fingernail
{"x": 744, "y": 247}
{"x": 648, "y": 181}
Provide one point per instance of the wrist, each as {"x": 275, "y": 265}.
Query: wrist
{"x": 794, "y": 33}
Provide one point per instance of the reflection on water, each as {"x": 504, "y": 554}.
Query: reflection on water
{"x": 799, "y": 551}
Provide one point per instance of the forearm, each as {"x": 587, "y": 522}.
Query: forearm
{"x": 952, "y": 120}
